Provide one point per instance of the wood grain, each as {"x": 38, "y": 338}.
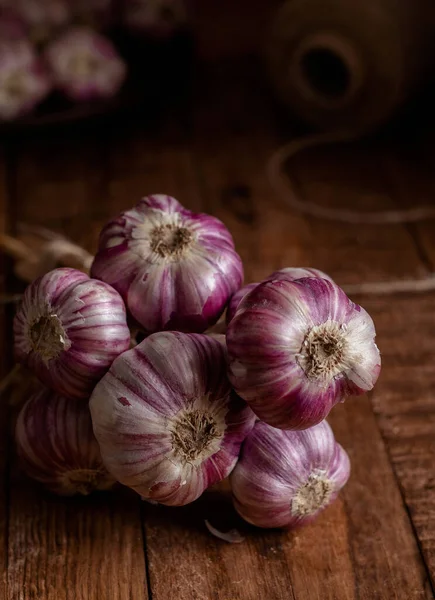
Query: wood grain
{"x": 364, "y": 547}
{"x": 403, "y": 401}
{"x": 79, "y": 549}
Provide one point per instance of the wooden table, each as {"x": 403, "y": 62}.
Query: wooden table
{"x": 378, "y": 540}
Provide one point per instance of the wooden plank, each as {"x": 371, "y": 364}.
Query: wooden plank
{"x": 405, "y": 408}
{"x": 81, "y": 548}
{"x": 4, "y": 365}
{"x": 363, "y": 547}
{"x": 404, "y": 399}
{"x": 359, "y": 547}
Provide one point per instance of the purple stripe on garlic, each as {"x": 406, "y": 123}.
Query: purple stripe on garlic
{"x": 175, "y": 269}
{"x": 166, "y": 419}
{"x": 69, "y": 329}
{"x": 290, "y": 273}
{"x": 57, "y": 447}
{"x": 296, "y": 348}
{"x": 286, "y": 478}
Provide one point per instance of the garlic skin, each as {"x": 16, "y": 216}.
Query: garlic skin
{"x": 293, "y": 273}
{"x": 168, "y": 424}
{"x": 286, "y": 478}
{"x": 175, "y": 269}
{"x": 85, "y": 65}
{"x": 236, "y": 299}
{"x": 24, "y": 82}
{"x": 290, "y": 273}
{"x": 296, "y": 348}
{"x": 69, "y": 329}
{"x": 57, "y": 447}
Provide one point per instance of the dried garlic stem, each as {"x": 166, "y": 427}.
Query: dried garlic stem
{"x": 53, "y": 250}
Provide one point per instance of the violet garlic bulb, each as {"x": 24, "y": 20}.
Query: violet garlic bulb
{"x": 296, "y": 348}
{"x": 42, "y": 17}
{"x": 290, "y": 273}
{"x": 175, "y": 269}
{"x": 168, "y": 424}
{"x": 69, "y": 329}
{"x": 286, "y": 478}
{"x": 85, "y": 65}
{"x": 57, "y": 447}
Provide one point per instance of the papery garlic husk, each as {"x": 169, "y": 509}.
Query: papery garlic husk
{"x": 296, "y": 348}
{"x": 286, "y": 478}
{"x": 236, "y": 299}
{"x": 85, "y": 65}
{"x": 57, "y": 447}
{"x": 168, "y": 424}
{"x": 69, "y": 329}
{"x": 175, "y": 269}
{"x": 290, "y": 273}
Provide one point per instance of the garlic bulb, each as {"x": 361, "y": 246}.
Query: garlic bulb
{"x": 290, "y": 273}
{"x": 23, "y": 79}
{"x": 286, "y": 478}
{"x": 296, "y": 348}
{"x": 175, "y": 269}
{"x": 85, "y": 65}
{"x": 69, "y": 329}
{"x": 168, "y": 424}
{"x": 57, "y": 447}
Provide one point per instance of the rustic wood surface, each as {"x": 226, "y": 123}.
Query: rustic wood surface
{"x": 378, "y": 540}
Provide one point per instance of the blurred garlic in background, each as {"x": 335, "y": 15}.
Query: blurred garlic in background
{"x": 12, "y": 27}
{"x": 23, "y": 80}
{"x": 158, "y": 18}
{"x": 85, "y": 65}
{"x": 43, "y": 18}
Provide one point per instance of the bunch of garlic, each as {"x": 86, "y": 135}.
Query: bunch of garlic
{"x": 184, "y": 409}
